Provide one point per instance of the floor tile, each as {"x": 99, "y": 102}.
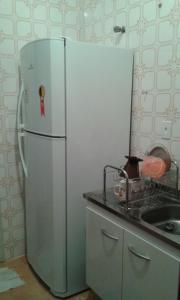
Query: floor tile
{"x": 33, "y": 289}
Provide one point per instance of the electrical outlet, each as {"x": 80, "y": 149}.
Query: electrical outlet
{"x": 166, "y": 130}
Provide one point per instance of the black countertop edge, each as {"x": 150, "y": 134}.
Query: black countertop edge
{"x": 138, "y": 223}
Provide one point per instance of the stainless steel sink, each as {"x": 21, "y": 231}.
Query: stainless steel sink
{"x": 166, "y": 218}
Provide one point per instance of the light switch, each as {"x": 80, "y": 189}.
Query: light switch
{"x": 166, "y": 130}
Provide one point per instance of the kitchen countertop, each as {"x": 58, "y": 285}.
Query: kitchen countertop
{"x": 139, "y": 204}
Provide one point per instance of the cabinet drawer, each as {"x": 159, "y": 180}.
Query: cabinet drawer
{"x": 149, "y": 273}
{"x": 104, "y": 249}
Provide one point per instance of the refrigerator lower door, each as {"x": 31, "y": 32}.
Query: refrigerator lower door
{"x": 46, "y": 209}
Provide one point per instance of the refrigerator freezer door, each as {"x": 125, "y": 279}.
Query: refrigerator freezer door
{"x": 42, "y": 67}
{"x": 46, "y": 209}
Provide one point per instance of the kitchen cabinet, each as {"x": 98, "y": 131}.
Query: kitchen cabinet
{"x": 104, "y": 252}
{"x": 124, "y": 265}
{"x": 148, "y": 272}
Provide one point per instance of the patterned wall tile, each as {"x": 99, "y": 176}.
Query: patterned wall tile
{"x": 40, "y": 30}
{"x": 149, "y": 35}
{"x": 165, "y": 55}
{"x": 24, "y": 29}
{"x": 177, "y": 81}
{"x": 166, "y": 32}
{"x": 163, "y": 103}
{"x": 22, "y": 9}
{"x": 7, "y": 46}
{"x": 175, "y": 128}
{"x": 40, "y": 12}
{"x": 55, "y": 31}
{"x": 178, "y": 31}
{"x": 147, "y": 102}
{"x": 149, "y": 58}
{"x": 177, "y": 102}
{"x": 175, "y": 148}
{"x": 134, "y": 41}
{"x": 55, "y": 15}
{"x": 150, "y": 11}
{"x": 6, "y": 7}
{"x": 71, "y": 18}
{"x": 6, "y": 26}
{"x": 134, "y": 16}
{"x": 145, "y": 142}
{"x": 148, "y": 81}
{"x": 166, "y": 8}
{"x": 163, "y": 80}
{"x": 146, "y": 125}
{"x": 8, "y": 65}
{"x": 9, "y": 85}
{"x": 121, "y": 4}
{"x": 10, "y": 102}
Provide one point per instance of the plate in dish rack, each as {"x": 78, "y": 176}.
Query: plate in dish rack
{"x": 161, "y": 152}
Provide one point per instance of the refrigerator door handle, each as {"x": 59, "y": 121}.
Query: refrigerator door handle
{"x": 20, "y": 126}
{"x": 20, "y": 136}
{"x": 20, "y": 132}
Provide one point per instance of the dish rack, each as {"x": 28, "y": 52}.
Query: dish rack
{"x": 137, "y": 188}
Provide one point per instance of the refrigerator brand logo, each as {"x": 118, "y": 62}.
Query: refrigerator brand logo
{"x": 42, "y": 95}
{"x": 30, "y": 67}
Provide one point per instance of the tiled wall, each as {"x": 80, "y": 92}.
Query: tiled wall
{"x": 22, "y": 21}
{"x": 153, "y": 31}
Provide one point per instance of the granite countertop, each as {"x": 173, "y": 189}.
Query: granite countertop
{"x": 138, "y": 205}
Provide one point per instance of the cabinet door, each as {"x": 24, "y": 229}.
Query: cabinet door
{"x": 149, "y": 273}
{"x": 104, "y": 240}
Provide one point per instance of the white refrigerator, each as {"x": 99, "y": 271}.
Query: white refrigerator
{"x": 74, "y": 117}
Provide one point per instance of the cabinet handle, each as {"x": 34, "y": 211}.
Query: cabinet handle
{"x": 133, "y": 251}
{"x": 103, "y": 231}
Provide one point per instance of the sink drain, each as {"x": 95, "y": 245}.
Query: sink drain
{"x": 169, "y": 227}
{"x": 172, "y": 226}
